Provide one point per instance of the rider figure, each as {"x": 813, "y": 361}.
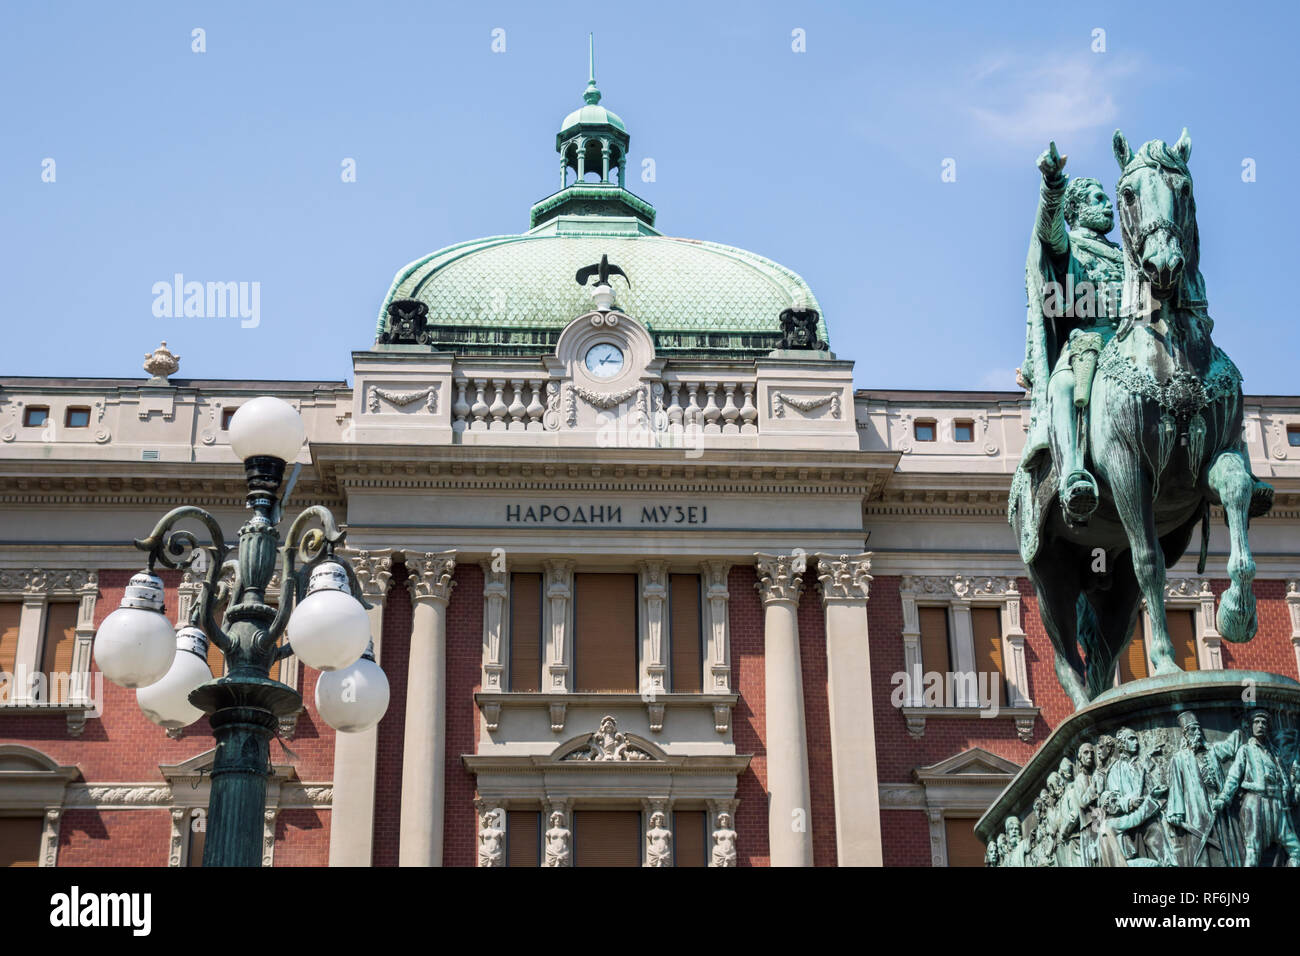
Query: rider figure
{"x": 1073, "y": 280}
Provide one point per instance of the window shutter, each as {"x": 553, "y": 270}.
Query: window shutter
{"x": 523, "y": 837}
{"x": 607, "y": 838}
{"x": 934, "y": 639}
{"x": 10, "y": 613}
{"x": 986, "y": 622}
{"x": 525, "y": 632}
{"x": 690, "y": 839}
{"x": 964, "y": 847}
{"x": 198, "y": 824}
{"x": 60, "y": 640}
{"x": 1182, "y": 631}
{"x": 1133, "y": 662}
{"x": 605, "y": 632}
{"x": 20, "y": 841}
{"x": 684, "y": 603}
{"x": 216, "y": 661}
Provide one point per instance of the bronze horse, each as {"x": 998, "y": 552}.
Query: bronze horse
{"x": 1164, "y": 438}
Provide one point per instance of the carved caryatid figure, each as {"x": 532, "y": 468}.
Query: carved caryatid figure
{"x": 724, "y": 843}
{"x": 1266, "y": 791}
{"x": 492, "y": 838}
{"x": 658, "y": 842}
{"x": 1198, "y": 835}
{"x": 557, "y": 842}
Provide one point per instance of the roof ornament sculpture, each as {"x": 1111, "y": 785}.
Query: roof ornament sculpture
{"x": 160, "y": 363}
{"x": 602, "y": 291}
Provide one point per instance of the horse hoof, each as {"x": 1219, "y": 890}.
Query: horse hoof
{"x": 1079, "y": 500}
{"x": 1261, "y": 499}
{"x": 1236, "y": 618}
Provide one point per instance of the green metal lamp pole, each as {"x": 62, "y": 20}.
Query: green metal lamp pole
{"x": 245, "y": 705}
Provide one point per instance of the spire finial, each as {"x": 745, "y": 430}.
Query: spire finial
{"x": 591, "y": 95}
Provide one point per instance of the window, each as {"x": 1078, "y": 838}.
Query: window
{"x": 523, "y": 838}
{"x": 986, "y": 623}
{"x": 217, "y": 661}
{"x": 56, "y": 650}
{"x": 963, "y": 430}
{"x": 935, "y": 655}
{"x": 1182, "y": 631}
{"x": 196, "y": 837}
{"x": 964, "y": 847}
{"x": 20, "y": 841}
{"x": 1293, "y": 435}
{"x": 35, "y": 415}
{"x": 604, "y": 633}
{"x": 686, "y": 633}
{"x": 690, "y": 838}
{"x": 1133, "y": 662}
{"x": 607, "y": 837}
{"x": 77, "y": 418}
{"x": 226, "y": 415}
{"x": 525, "y": 632}
{"x": 924, "y": 429}
{"x": 10, "y": 613}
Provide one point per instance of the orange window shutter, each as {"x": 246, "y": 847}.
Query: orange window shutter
{"x": 1182, "y": 632}
{"x": 934, "y": 639}
{"x": 605, "y": 629}
{"x": 216, "y": 661}
{"x": 20, "y": 841}
{"x": 523, "y": 836}
{"x": 690, "y": 839}
{"x": 964, "y": 847}
{"x": 986, "y": 623}
{"x": 685, "y": 633}
{"x": 525, "y": 632}
{"x": 1133, "y": 662}
{"x": 607, "y": 838}
{"x": 56, "y": 652}
{"x": 10, "y": 613}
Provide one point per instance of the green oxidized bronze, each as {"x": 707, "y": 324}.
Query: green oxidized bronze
{"x": 1122, "y": 371}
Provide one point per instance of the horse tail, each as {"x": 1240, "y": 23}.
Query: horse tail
{"x": 1088, "y": 632}
{"x": 1205, "y": 536}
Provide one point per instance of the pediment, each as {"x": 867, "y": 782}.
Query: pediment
{"x": 976, "y": 762}
{"x": 17, "y": 759}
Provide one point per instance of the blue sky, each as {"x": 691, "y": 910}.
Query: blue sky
{"x": 225, "y": 165}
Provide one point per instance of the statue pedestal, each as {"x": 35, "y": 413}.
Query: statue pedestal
{"x": 1134, "y": 779}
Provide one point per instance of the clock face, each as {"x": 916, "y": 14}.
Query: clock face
{"x": 604, "y": 360}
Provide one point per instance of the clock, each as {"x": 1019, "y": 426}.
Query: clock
{"x": 604, "y": 360}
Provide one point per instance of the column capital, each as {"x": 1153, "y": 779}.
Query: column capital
{"x": 780, "y": 576}
{"x": 374, "y": 569}
{"x": 431, "y": 573}
{"x": 844, "y": 577}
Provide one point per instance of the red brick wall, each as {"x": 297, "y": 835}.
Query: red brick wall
{"x": 114, "y": 838}
{"x": 748, "y": 724}
{"x": 394, "y": 653}
{"x": 302, "y": 838}
{"x": 817, "y": 722}
{"x": 464, "y": 669}
{"x": 1271, "y": 650}
{"x": 906, "y": 834}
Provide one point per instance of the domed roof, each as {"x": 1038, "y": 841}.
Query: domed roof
{"x": 591, "y": 114}
{"x": 677, "y": 285}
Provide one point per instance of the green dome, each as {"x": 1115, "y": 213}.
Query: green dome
{"x": 692, "y": 295}
{"x": 591, "y": 114}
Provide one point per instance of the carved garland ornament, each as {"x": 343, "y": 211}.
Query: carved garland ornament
{"x": 603, "y": 400}
{"x": 780, "y": 400}
{"x": 402, "y": 399}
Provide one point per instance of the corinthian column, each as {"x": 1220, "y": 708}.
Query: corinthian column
{"x": 780, "y": 578}
{"x": 425, "y": 747}
{"x": 845, "y": 581}
{"x": 352, "y": 813}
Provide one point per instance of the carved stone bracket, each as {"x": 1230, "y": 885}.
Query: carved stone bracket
{"x": 558, "y": 710}
{"x": 492, "y": 716}
{"x": 655, "y": 714}
{"x": 722, "y": 718}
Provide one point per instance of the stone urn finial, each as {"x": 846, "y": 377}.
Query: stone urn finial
{"x": 160, "y": 363}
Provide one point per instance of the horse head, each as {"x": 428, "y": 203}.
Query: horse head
{"x": 1157, "y": 211}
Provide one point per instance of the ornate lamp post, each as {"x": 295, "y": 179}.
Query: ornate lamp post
{"x": 320, "y": 608}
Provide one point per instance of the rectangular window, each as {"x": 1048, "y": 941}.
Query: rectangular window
{"x": 226, "y": 415}
{"x": 20, "y": 841}
{"x": 525, "y": 632}
{"x": 56, "y": 651}
{"x": 11, "y": 613}
{"x": 217, "y": 661}
{"x": 986, "y": 622}
{"x": 924, "y": 429}
{"x": 523, "y": 838}
{"x": 690, "y": 838}
{"x": 607, "y": 838}
{"x": 686, "y": 633}
{"x": 1182, "y": 632}
{"x": 1293, "y": 435}
{"x": 77, "y": 418}
{"x": 604, "y": 633}
{"x": 935, "y": 655}
{"x": 198, "y": 832}
{"x": 35, "y": 415}
{"x": 1133, "y": 662}
{"x": 964, "y": 847}
{"x": 963, "y": 430}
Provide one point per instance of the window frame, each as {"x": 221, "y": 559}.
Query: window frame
{"x": 82, "y": 409}
{"x": 28, "y": 412}
{"x": 930, "y": 423}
